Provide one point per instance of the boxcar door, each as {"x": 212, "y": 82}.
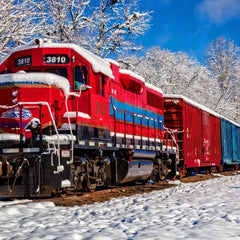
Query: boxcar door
{"x": 211, "y": 139}
{"x": 193, "y": 153}
{"x": 226, "y": 136}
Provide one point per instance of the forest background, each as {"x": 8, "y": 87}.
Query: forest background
{"x": 110, "y": 29}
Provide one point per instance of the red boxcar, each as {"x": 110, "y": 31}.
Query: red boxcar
{"x": 198, "y": 132}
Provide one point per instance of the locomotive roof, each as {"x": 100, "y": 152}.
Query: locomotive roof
{"x": 99, "y": 65}
{"x": 133, "y": 74}
{"x": 39, "y": 78}
{"x": 200, "y": 107}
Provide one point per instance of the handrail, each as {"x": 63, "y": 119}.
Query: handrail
{"x": 77, "y": 95}
{"x": 21, "y": 104}
{"x": 173, "y": 137}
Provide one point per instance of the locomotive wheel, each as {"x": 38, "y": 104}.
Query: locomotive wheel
{"x": 163, "y": 172}
{"x": 182, "y": 171}
{"x": 154, "y": 175}
{"x": 220, "y": 168}
{"x": 86, "y": 184}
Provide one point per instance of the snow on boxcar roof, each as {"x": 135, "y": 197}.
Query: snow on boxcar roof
{"x": 99, "y": 65}
{"x": 37, "y": 78}
{"x": 133, "y": 74}
{"x": 153, "y": 87}
{"x": 188, "y": 100}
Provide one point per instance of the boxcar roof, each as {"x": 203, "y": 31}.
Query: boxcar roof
{"x": 199, "y": 106}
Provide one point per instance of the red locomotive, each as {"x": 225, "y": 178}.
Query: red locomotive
{"x": 70, "y": 119}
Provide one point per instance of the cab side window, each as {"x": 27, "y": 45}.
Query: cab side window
{"x": 80, "y": 77}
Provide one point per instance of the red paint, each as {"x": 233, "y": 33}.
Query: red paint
{"x": 94, "y": 102}
{"x": 198, "y": 132}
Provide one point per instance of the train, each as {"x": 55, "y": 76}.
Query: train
{"x": 208, "y": 142}
{"x": 72, "y": 121}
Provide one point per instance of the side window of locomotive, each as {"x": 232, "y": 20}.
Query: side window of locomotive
{"x": 59, "y": 71}
{"x": 80, "y": 77}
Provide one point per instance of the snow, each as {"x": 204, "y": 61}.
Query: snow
{"x": 36, "y": 78}
{"x": 73, "y": 115}
{"x": 62, "y": 138}
{"x": 132, "y": 74}
{"x": 9, "y": 137}
{"x": 203, "y": 210}
{"x": 151, "y": 86}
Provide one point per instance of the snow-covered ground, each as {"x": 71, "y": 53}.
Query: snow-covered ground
{"x": 203, "y": 210}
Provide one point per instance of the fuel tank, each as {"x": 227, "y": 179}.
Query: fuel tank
{"x": 139, "y": 168}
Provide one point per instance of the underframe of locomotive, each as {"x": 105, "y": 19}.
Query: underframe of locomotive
{"x": 39, "y": 169}
{"x": 103, "y": 162}
{"x": 32, "y": 170}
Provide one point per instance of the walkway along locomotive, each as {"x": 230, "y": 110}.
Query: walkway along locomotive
{"x": 69, "y": 119}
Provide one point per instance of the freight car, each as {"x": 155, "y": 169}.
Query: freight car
{"x": 206, "y": 140}
{"x": 69, "y": 119}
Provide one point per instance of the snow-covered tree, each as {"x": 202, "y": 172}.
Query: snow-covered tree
{"x": 103, "y": 29}
{"x": 223, "y": 60}
{"x": 114, "y": 25}
{"x": 17, "y": 24}
{"x": 62, "y": 20}
{"x": 103, "y": 26}
{"x": 175, "y": 73}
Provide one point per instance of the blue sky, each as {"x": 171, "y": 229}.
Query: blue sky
{"x": 190, "y": 25}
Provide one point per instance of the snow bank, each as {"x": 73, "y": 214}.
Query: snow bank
{"x": 203, "y": 210}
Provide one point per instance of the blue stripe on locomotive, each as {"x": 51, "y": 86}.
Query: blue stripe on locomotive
{"x": 230, "y": 137}
{"x": 131, "y": 110}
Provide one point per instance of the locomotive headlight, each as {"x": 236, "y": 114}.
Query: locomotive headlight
{"x": 15, "y": 93}
{"x": 15, "y": 100}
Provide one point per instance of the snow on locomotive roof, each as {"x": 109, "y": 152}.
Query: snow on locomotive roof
{"x": 99, "y": 65}
{"x": 113, "y": 61}
{"x": 38, "y": 78}
{"x": 133, "y": 74}
{"x": 149, "y": 85}
{"x": 199, "y": 106}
